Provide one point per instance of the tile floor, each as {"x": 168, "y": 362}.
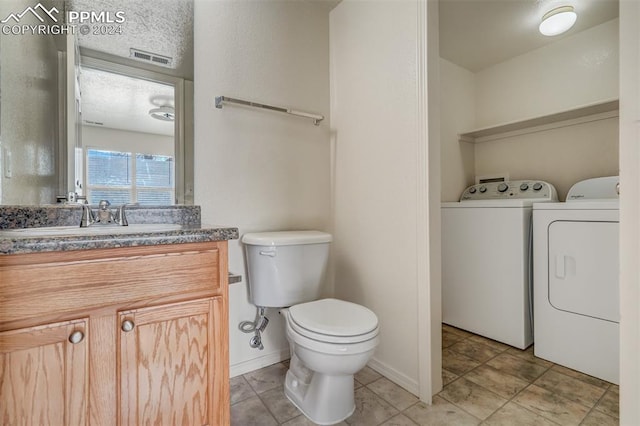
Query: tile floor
{"x": 485, "y": 382}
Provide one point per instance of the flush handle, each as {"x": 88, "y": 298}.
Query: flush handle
{"x": 268, "y": 253}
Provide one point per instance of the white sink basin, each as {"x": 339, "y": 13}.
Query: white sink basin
{"x": 90, "y": 230}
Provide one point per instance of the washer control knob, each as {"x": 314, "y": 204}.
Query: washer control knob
{"x": 472, "y": 190}
{"x": 524, "y": 187}
{"x": 483, "y": 189}
{"x": 503, "y": 187}
{"x": 537, "y": 186}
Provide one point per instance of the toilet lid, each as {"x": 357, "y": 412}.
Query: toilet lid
{"x": 334, "y": 317}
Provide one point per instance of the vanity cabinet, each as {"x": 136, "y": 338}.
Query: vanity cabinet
{"x": 43, "y": 374}
{"x": 167, "y": 359}
{"x": 128, "y": 336}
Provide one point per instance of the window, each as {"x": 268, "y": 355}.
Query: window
{"x": 126, "y": 177}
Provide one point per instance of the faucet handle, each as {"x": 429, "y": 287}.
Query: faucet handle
{"x": 121, "y": 216}
{"x": 88, "y": 218}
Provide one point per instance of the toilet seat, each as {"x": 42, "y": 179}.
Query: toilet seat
{"x": 324, "y": 347}
{"x": 333, "y": 321}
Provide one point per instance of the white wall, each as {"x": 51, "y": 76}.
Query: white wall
{"x": 629, "y": 213}
{"x": 125, "y": 141}
{"x": 374, "y": 105}
{"x": 575, "y": 71}
{"x": 428, "y": 235}
{"x": 457, "y": 111}
{"x": 560, "y": 156}
{"x": 255, "y": 169}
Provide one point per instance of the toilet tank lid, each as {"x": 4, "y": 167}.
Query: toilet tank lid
{"x": 286, "y": 238}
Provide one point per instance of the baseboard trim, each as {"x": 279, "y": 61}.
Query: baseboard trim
{"x": 395, "y": 376}
{"x": 258, "y": 363}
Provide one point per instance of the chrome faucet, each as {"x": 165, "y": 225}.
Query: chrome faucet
{"x": 104, "y": 215}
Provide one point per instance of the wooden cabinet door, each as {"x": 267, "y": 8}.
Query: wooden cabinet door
{"x": 171, "y": 369}
{"x": 44, "y": 375}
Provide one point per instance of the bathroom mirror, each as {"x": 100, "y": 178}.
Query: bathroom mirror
{"x": 99, "y": 101}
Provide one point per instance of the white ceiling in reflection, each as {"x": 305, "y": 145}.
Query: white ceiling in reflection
{"x": 163, "y": 27}
{"x": 119, "y": 102}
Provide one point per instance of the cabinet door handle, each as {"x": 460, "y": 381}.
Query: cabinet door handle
{"x": 76, "y": 337}
{"x": 127, "y": 325}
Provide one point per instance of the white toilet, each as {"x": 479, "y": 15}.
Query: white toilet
{"x": 330, "y": 339}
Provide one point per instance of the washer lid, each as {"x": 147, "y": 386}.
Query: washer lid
{"x": 286, "y": 238}
{"x": 334, "y": 317}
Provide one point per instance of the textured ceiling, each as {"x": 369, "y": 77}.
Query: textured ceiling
{"x": 163, "y": 27}
{"x": 476, "y": 34}
{"x": 121, "y": 102}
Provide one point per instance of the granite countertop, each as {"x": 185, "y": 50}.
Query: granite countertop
{"x": 34, "y": 229}
{"x": 34, "y": 240}
{"x": 15, "y": 217}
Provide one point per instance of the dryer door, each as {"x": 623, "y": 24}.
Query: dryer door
{"x": 583, "y": 268}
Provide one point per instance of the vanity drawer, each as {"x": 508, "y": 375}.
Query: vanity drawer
{"x": 64, "y": 282}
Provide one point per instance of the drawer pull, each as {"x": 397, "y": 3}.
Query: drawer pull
{"x": 127, "y": 325}
{"x": 76, "y": 337}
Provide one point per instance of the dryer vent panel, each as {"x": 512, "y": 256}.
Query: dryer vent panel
{"x": 152, "y": 58}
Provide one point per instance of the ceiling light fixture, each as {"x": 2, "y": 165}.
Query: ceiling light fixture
{"x": 558, "y": 20}
{"x": 164, "y": 113}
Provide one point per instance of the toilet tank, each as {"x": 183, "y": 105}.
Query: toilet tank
{"x": 287, "y": 267}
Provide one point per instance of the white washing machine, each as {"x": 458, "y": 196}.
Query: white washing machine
{"x": 576, "y": 273}
{"x": 486, "y": 238}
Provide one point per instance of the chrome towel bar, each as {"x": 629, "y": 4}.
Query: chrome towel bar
{"x": 220, "y": 100}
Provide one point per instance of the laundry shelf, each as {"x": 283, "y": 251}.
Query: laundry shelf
{"x": 584, "y": 114}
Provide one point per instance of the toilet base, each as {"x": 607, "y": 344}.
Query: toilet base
{"x": 324, "y": 399}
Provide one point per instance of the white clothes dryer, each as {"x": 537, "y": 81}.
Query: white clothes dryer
{"x": 486, "y": 238}
{"x": 576, "y": 289}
